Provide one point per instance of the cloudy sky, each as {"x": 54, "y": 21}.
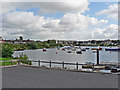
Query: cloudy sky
{"x": 81, "y": 20}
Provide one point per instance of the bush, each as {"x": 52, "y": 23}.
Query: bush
{"x": 7, "y": 51}
{"x": 24, "y": 58}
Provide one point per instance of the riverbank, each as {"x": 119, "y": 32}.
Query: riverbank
{"x": 29, "y": 77}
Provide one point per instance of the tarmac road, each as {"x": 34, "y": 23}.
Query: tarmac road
{"x": 29, "y": 77}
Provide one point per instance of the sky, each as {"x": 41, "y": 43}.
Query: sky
{"x": 81, "y": 20}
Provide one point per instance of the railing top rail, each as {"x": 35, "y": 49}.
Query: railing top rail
{"x": 53, "y": 62}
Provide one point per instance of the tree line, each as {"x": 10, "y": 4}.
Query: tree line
{"x": 9, "y": 48}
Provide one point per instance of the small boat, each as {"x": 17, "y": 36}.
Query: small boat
{"x": 99, "y": 67}
{"x": 76, "y": 47}
{"x": 96, "y": 48}
{"x": 112, "y": 49}
{"x": 79, "y": 52}
{"x": 44, "y": 50}
{"x": 114, "y": 70}
{"x": 87, "y": 65}
{"x": 94, "y": 51}
{"x": 58, "y": 48}
{"x": 63, "y": 49}
{"x": 68, "y": 48}
{"x": 86, "y": 48}
{"x": 69, "y": 51}
{"x": 83, "y": 49}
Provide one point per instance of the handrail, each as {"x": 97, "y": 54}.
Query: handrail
{"x": 54, "y": 62}
{"x": 43, "y": 61}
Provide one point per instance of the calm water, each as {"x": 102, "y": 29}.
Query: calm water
{"x": 87, "y": 56}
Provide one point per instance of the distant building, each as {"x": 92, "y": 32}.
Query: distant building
{"x": 8, "y": 41}
{"x": 1, "y": 40}
{"x": 39, "y": 41}
{"x": 107, "y": 41}
{"x": 51, "y": 41}
{"x": 18, "y": 41}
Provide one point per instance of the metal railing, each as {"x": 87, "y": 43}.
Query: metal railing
{"x": 39, "y": 63}
{"x": 8, "y": 62}
{"x": 58, "y": 63}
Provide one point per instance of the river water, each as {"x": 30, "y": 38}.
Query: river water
{"x": 86, "y": 56}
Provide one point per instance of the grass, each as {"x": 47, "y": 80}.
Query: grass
{"x": 5, "y": 59}
{"x": 7, "y": 63}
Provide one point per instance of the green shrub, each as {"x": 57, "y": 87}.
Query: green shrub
{"x": 7, "y": 51}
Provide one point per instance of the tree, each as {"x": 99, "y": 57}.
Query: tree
{"x": 46, "y": 45}
{"x": 21, "y": 38}
{"x": 59, "y": 45}
{"x": 32, "y": 45}
{"x": 93, "y": 41}
{"x": 6, "y": 51}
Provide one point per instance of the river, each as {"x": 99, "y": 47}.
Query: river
{"x": 86, "y": 56}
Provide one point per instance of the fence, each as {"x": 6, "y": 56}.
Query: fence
{"x": 11, "y": 62}
{"x": 58, "y": 63}
{"x": 8, "y": 62}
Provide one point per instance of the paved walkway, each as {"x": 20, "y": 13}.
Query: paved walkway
{"x": 29, "y": 77}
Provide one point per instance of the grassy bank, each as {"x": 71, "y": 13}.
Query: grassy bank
{"x": 7, "y": 61}
{"x": 4, "y": 58}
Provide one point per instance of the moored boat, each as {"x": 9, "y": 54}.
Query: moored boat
{"x": 83, "y": 49}
{"x": 63, "y": 49}
{"x": 44, "y": 50}
{"x": 112, "y": 49}
{"x": 87, "y": 48}
{"x": 94, "y": 51}
{"x": 69, "y": 51}
{"x": 99, "y": 67}
{"x": 79, "y": 52}
{"x": 87, "y": 65}
{"x": 114, "y": 70}
{"x": 58, "y": 48}
{"x": 96, "y": 48}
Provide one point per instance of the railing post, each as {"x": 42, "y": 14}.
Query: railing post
{"x": 93, "y": 67}
{"x": 77, "y": 65}
{"x": 38, "y": 62}
{"x": 4, "y": 62}
{"x": 97, "y": 56}
{"x": 50, "y": 64}
{"x": 62, "y": 64}
{"x": 27, "y": 61}
{"x": 11, "y": 62}
{"x": 19, "y": 61}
